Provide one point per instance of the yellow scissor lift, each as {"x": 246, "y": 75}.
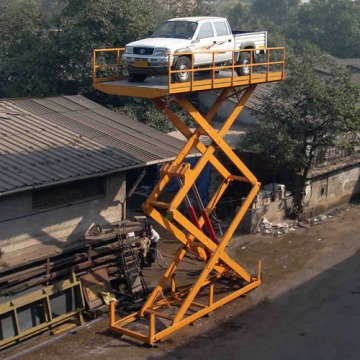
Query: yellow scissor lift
{"x": 187, "y": 305}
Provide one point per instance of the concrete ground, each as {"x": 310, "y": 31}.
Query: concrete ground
{"x": 308, "y": 306}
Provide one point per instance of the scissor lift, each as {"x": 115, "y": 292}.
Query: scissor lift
{"x": 194, "y": 232}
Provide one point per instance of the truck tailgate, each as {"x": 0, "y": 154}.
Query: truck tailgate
{"x": 259, "y": 38}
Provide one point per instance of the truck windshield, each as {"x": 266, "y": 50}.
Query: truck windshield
{"x": 176, "y": 29}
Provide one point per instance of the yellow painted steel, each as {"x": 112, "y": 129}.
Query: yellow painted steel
{"x": 217, "y": 263}
{"x": 109, "y": 74}
{"x": 180, "y": 308}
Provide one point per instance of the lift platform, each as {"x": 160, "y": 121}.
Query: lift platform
{"x": 164, "y": 313}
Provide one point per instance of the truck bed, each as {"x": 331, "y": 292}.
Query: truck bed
{"x": 257, "y": 37}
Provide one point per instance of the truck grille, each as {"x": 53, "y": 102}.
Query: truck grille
{"x": 143, "y": 51}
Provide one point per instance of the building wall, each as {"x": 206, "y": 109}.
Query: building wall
{"x": 207, "y": 98}
{"x": 275, "y": 212}
{"x": 21, "y": 226}
{"x": 332, "y": 189}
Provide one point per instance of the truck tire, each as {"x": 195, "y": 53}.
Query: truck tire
{"x": 136, "y": 77}
{"x": 183, "y": 63}
{"x": 244, "y": 59}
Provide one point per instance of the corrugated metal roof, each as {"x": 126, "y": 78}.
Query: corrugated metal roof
{"x": 256, "y": 100}
{"x": 49, "y": 140}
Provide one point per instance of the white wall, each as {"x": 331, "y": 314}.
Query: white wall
{"x": 21, "y": 226}
{"x": 333, "y": 189}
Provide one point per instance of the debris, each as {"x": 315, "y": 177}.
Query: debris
{"x": 303, "y": 225}
{"x": 107, "y": 297}
{"x": 316, "y": 220}
{"x": 63, "y": 328}
{"x": 268, "y": 228}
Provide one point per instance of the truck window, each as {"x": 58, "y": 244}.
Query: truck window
{"x": 205, "y": 31}
{"x": 221, "y": 28}
{"x": 176, "y": 29}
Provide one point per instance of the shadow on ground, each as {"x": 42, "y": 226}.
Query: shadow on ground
{"x": 317, "y": 320}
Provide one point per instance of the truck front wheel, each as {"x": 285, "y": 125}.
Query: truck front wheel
{"x": 136, "y": 77}
{"x": 182, "y": 64}
{"x": 244, "y": 59}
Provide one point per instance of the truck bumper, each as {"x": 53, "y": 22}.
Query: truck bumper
{"x": 147, "y": 65}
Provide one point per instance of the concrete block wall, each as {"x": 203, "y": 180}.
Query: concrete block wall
{"x": 21, "y": 226}
{"x": 332, "y": 189}
{"x": 275, "y": 212}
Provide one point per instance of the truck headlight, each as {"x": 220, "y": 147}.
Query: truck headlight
{"x": 161, "y": 52}
{"x": 129, "y": 50}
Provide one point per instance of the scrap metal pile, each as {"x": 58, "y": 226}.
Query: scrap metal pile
{"x": 44, "y": 291}
{"x": 93, "y": 252}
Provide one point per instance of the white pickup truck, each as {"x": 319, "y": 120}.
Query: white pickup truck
{"x": 200, "y": 36}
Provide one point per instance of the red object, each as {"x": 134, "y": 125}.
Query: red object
{"x": 209, "y": 226}
{"x": 195, "y": 221}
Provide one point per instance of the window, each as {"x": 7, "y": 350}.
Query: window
{"x": 221, "y": 28}
{"x": 322, "y": 191}
{"x": 206, "y": 31}
{"x": 69, "y": 193}
{"x": 176, "y": 29}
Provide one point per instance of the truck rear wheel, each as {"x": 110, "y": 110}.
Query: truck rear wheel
{"x": 244, "y": 59}
{"x": 184, "y": 64}
{"x": 136, "y": 77}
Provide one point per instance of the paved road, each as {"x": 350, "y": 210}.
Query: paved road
{"x": 312, "y": 315}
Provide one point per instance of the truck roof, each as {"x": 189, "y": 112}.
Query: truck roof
{"x": 197, "y": 18}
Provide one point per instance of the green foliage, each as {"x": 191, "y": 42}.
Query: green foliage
{"x": 51, "y": 52}
{"x": 19, "y": 18}
{"x": 239, "y": 15}
{"x": 305, "y": 112}
{"x": 332, "y": 25}
{"x": 26, "y": 52}
{"x": 277, "y": 11}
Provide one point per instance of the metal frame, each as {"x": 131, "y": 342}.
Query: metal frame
{"x": 187, "y": 306}
{"x": 41, "y": 298}
{"x": 180, "y": 308}
{"x": 109, "y": 77}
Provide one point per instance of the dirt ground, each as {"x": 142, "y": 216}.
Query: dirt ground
{"x": 288, "y": 262}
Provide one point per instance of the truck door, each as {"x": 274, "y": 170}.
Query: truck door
{"x": 224, "y": 41}
{"x": 205, "y": 40}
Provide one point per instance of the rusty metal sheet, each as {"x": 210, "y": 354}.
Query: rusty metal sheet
{"x": 93, "y": 284}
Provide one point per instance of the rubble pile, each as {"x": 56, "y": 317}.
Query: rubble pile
{"x": 268, "y": 228}
{"x": 277, "y": 229}
{"x": 315, "y": 220}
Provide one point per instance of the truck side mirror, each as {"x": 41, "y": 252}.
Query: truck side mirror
{"x": 195, "y": 41}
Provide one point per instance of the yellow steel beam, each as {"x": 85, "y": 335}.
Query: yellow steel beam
{"x": 192, "y": 237}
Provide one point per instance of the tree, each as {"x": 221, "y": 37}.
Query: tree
{"x": 332, "y": 25}
{"x": 26, "y": 57}
{"x": 278, "y": 11}
{"x": 239, "y": 15}
{"x": 305, "y": 113}
{"x": 51, "y": 53}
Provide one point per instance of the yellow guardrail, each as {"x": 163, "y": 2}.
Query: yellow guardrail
{"x": 109, "y": 66}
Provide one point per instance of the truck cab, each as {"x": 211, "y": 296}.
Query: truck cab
{"x": 198, "y": 38}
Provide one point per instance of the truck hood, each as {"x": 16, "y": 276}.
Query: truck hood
{"x": 169, "y": 43}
